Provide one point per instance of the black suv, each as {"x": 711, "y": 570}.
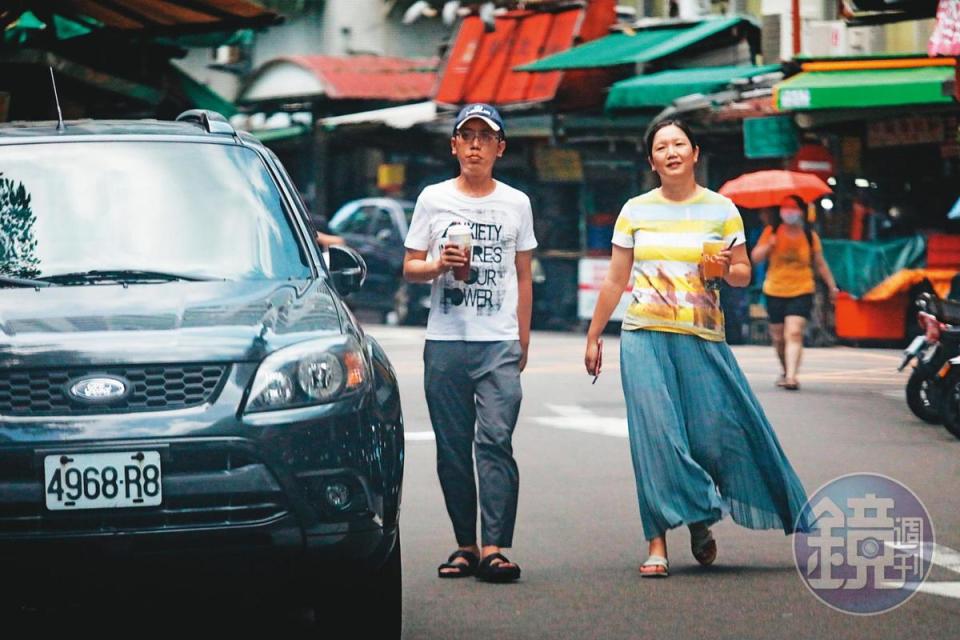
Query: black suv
{"x": 183, "y": 393}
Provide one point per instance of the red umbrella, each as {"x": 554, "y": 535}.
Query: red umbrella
{"x": 769, "y": 188}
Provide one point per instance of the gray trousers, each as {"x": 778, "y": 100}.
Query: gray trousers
{"x": 473, "y": 395}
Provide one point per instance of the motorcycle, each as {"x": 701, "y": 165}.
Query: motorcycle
{"x": 937, "y": 352}
{"x": 923, "y": 390}
{"x": 951, "y": 398}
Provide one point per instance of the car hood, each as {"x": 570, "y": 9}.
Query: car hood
{"x": 152, "y": 323}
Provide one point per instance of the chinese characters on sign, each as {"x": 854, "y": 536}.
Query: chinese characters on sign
{"x": 866, "y": 552}
{"x": 905, "y": 131}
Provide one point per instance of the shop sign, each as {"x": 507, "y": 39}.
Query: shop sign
{"x": 558, "y": 165}
{"x": 905, "y": 131}
{"x": 794, "y": 98}
{"x": 773, "y": 137}
{"x": 591, "y": 273}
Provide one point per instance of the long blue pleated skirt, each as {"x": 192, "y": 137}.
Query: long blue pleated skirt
{"x": 701, "y": 444}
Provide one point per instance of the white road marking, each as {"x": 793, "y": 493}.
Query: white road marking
{"x": 945, "y": 589}
{"x": 944, "y": 557}
{"x": 947, "y": 558}
{"x": 576, "y": 418}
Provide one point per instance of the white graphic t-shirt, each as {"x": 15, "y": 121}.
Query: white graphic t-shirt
{"x": 484, "y": 308}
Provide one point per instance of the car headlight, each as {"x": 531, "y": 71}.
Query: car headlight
{"x": 309, "y": 373}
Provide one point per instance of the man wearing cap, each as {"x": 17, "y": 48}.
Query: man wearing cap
{"x": 477, "y": 338}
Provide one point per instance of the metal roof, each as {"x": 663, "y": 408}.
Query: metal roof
{"x": 481, "y": 65}
{"x": 362, "y": 77}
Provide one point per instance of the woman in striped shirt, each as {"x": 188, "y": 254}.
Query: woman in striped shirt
{"x": 700, "y": 442}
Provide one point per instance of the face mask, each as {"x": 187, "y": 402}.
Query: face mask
{"x": 792, "y": 217}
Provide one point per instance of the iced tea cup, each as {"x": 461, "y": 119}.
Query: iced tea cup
{"x": 712, "y": 268}
{"x": 459, "y": 235}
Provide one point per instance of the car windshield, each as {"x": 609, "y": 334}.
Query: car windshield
{"x": 173, "y": 210}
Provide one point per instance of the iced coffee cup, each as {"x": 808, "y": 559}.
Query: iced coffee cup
{"x": 459, "y": 235}
{"x": 712, "y": 269}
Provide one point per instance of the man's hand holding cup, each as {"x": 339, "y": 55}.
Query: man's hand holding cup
{"x": 457, "y": 252}
{"x": 452, "y": 257}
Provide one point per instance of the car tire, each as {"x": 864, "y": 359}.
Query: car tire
{"x": 950, "y": 406}
{"x": 377, "y": 602}
{"x": 923, "y": 398}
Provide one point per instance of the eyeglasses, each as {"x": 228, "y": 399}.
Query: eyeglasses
{"x": 485, "y": 137}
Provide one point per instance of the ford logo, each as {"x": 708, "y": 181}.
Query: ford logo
{"x": 98, "y": 389}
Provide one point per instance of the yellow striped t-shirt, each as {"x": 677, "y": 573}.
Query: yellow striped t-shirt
{"x": 667, "y": 240}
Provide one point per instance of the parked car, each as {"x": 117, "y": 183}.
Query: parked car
{"x": 377, "y": 228}
{"x": 184, "y": 396}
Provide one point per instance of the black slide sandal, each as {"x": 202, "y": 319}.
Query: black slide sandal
{"x": 459, "y": 569}
{"x": 489, "y": 572}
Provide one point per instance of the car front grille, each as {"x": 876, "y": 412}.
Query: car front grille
{"x": 204, "y": 485}
{"x": 44, "y": 392}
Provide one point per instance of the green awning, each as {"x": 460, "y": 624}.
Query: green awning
{"x": 660, "y": 89}
{"x": 868, "y": 88}
{"x": 28, "y": 27}
{"x": 642, "y": 46}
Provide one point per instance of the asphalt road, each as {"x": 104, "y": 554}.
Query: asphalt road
{"x": 579, "y": 537}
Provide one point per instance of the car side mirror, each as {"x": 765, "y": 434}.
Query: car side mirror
{"x": 347, "y": 268}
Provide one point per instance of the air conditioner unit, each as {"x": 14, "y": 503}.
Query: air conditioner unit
{"x": 831, "y": 38}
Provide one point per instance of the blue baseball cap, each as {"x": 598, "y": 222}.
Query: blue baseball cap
{"x": 482, "y": 111}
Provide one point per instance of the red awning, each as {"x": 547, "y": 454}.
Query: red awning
{"x": 363, "y": 77}
{"x": 367, "y": 77}
{"x": 480, "y": 65}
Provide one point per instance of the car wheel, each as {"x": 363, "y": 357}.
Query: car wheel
{"x": 375, "y": 605}
{"x": 923, "y": 398}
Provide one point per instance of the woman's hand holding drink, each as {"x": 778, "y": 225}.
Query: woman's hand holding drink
{"x": 715, "y": 262}
{"x": 711, "y": 262}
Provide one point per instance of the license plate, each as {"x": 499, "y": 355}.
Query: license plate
{"x": 102, "y": 480}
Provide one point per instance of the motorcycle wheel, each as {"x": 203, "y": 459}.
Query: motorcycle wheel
{"x": 951, "y": 405}
{"x": 923, "y": 397}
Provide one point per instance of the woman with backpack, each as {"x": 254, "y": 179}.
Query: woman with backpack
{"x": 794, "y": 252}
